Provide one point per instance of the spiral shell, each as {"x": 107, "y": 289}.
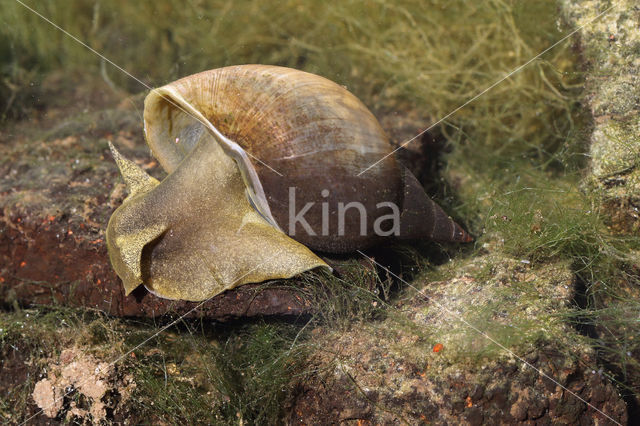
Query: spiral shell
{"x": 257, "y": 144}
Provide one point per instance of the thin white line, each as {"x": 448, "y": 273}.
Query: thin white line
{"x": 128, "y": 73}
{"x": 86, "y": 45}
{"x": 263, "y": 163}
{"x": 487, "y": 89}
{"x": 139, "y": 345}
{"x": 484, "y": 334}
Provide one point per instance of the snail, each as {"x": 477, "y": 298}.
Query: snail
{"x": 264, "y": 167}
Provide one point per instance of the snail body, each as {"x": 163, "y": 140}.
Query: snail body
{"x": 272, "y": 148}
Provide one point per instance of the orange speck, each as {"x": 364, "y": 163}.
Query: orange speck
{"x": 51, "y": 218}
{"x": 18, "y": 220}
{"x": 99, "y": 281}
{"x": 133, "y": 355}
{"x": 1, "y": 279}
{"x": 70, "y": 232}
{"x": 438, "y": 347}
{"x": 469, "y": 403}
{"x": 23, "y": 264}
{"x": 422, "y": 374}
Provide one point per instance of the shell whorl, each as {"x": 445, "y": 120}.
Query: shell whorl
{"x": 280, "y": 114}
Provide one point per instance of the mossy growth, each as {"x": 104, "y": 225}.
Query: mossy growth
{"x": 491, "y": 305}
{"x": 29, "y": 338}
{"x": 479, "y": 309}
{"x": 540, "y": 218}
{"x": 199, "y": 372}
{"x": 219, "y": 375}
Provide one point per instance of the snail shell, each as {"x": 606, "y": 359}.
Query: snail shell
{"x": 282, "y": 146}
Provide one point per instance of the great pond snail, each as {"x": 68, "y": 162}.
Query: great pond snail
{"x": 264, "y": 165}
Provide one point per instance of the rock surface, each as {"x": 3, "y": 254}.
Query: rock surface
{"x": 485, "y": 346}
{"x": 82, "y": 386}
{"x": 610, "y": 48}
